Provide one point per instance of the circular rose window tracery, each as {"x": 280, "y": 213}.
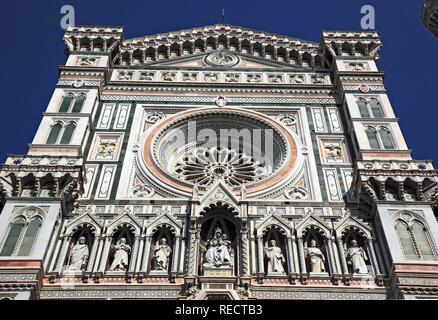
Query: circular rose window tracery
{"x": 206, "y": 165}
{"x": 177, "y": 153}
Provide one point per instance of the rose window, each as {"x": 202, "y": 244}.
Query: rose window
{"x": 206, "y": 165}
{"x": 211, "y": 144}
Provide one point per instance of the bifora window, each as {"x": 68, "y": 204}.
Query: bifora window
{"x": 21, "y": 236}
{"x": 371, "y": 108}
{"x": 72, "y": 102}
{"x": 379, "y": 138}
{"x": 414, "y": 240}
{"x": 61, "y": 133}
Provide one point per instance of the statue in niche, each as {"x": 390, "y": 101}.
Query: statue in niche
{"x": 275, "y": 257}
{"x": 121, "y": 255}
{"x": 78, "y": 256}
{"x": 356, "y": 257}
{"x": 218, "y": 250}
{"x": 162, "y": 254}
{"x": 315, "y": 258}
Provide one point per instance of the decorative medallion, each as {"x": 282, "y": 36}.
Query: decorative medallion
{"x": 364, "y": 88}
{"x": 222, "y": 59}
{"x": 154, "y": 116}
{"x": 221, "y": 101}
{"x": 78, "y": 83}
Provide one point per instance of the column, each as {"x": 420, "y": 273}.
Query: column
{"x": 373, "y": 257}
{"x": 140, "y": 255}
{"x": 290, "y": 257}
{"x": 245, "y": 255}
{"x": 99, "y": 253}
{"x": 261, "y": 269}
{"x": 174, "y": 268}
{"x": 192, "y": 252}
{"x": 62, "y": 253}
{"x": 92, "y": 256}
{"x": 301, "y": 256}
{"x": 147, "y": 248}
{"x": 134, "y": 253}
{"x": 342, "y": 256}
{"x": 105, "y": 253}
{"x": 331, "y": 256}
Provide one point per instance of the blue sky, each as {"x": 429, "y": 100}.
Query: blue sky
{"x": 32, "y": 49}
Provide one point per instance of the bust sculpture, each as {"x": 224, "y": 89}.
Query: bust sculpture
{"x": 79, "y": 256}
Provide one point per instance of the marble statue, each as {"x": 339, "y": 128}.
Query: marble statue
{"x": 162, "y": 255}
{"x": 79, "y": 256}
{"x": 275, "y": 257}
{"x": 356, "y": 257}
{"x": 218, "y": 250}
{"x": 315, "y": 257}
{"x": 121, "y": 256}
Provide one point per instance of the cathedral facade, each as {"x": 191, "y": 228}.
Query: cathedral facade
{"x": 310, "y": 191}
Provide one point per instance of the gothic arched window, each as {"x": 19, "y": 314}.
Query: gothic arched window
{"x": 66, "y": 103}
{"x": 79, "y": 102}
{"x": 15, "y": 231}
{"x": 376, "y": 108}
{"x": 385, "y": 135}
{"x": 21, "y": 237}
{"x": 68, "y": 133}
{"x": 414, "y": 241}
{"x": 54, "y": 133}
{"x": 29, "y": 237}
{"x": 363, "y": 108}
{"x": 421, "y": 238}
{"x": 372, "y": 138}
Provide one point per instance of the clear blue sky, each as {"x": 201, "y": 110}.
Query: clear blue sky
{"x": 32, "y": 49}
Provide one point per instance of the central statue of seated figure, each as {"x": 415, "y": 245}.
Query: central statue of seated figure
{"x": 218, "y": 250}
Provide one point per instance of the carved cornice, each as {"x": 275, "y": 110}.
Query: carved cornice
{"x": 43, "y": 176}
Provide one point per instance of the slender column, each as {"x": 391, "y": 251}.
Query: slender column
{"x": 92, "y": 256}
{"x": 62, "y": 253}
{"x": 175, "y": 255}
{"x": 301, "y": 257}
{"x": 260, "y": 255}
{"x": 134, "y": 254}
{"x": 140, "y": 255}
{"x": 245, "y": 255}
{"x": 105, "y": 253}
{"x": 147, "y": 249}
{"x": 192, "y": 251}
{"x": 290, "y": 256}
{"x": 331, "y": 256}
{"x": 56, "y": 254}
{"x": 342, "y": 256}
{"x": 99, "y": 253}
{"x": 373, "y": 257}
